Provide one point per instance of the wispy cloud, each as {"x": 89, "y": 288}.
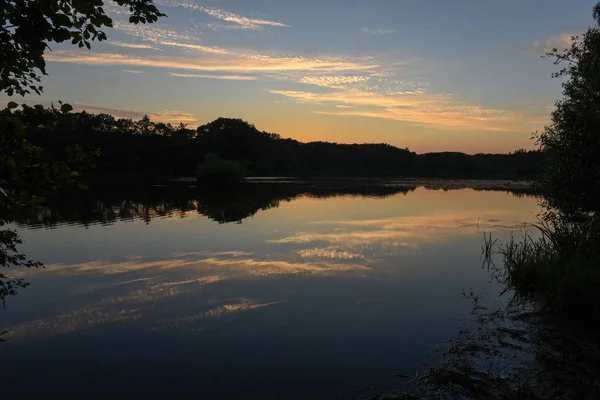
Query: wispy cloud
{"x": 411, "y": 106}
{"x": 335, "y": 82}
{"x": 244, "y": 64}
{"x": 358, "y": 86}
{"x": 381, "y": 32}
{"x": 132, "y": 45}
{"x": 409, "y": 231}
{"x": 219, "y": 26}
{"x": 206, "y": 49}
{"x": 172, "y": 116}
{"x": 237, "y": 20}
{"x": 163, "y": 37}
{"x": 227, "y": 265}
{"x": 224, "y": 77}
{"x": 244, "y": 22}
{"x": 559, "y": 42}
{"x": 133, "y": 71}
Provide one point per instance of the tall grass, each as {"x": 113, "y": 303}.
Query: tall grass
{"x": 559, "y": 266}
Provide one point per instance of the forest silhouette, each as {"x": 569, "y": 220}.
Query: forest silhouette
{"x": 144, "y": 149}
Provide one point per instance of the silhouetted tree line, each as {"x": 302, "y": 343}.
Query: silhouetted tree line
{"x": 147, "y": 149}
{"x": 109, "y": 204}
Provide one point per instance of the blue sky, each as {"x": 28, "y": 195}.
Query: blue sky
{"x": 431, "y": 75}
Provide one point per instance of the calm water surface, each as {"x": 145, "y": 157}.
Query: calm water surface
{"x": 267, "y": 292}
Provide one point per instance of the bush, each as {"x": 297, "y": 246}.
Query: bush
{"x": 216, "y": 168}
{"x": 561, "y": 267}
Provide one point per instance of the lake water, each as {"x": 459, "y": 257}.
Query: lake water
{"x": 288, "y": 290}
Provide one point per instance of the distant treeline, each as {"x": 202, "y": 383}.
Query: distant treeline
{"x": 151, "y": 150}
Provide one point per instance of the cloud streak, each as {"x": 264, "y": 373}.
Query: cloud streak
{"x": 223, "y": 77}
{"x": 410, "y": 106}
{"x": 132, "y": 45}
{"x": 244, "y": 64}
{"x": 162, "y": 37}
{"x": 205, "y": 49}
{"x": 171, "y": 116}
{"x": 237, "y": 20}
{"x": 243, "y": 22}
{"x": 334, "y": 82}
{"x": 559, "y": 42}
{"x": 377, "y": 31}
{"x": 354, "y": 91}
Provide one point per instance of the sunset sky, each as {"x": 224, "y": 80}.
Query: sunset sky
{"x": 430, "y": 75}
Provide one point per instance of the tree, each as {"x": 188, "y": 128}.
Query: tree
{"x": 27, "y": 175}
{"x": 28, "y": 26}
{"x": 27, "y": 172}
{"x": 572, "y": 140}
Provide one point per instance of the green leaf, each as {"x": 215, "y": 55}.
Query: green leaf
{"x": 65, "y": 108}
{"x": 63, "y": 20}
{"x": 107, "y": 21}
{"x": 81, "y": 6}
{"x": 12, "y": 104}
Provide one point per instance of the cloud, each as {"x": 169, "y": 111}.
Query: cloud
{"x": 141, "y": 304}
{"x": 234, "y": 63}
{"x": 369, "y": 241}
{"x": 411, "y": 106}
{"x": 244, "y": 22}
{"x": 216, "y": 27}
{"x": 560, "y": 42}
{"x": 273, "y": 267}
{"x": 163, "y": 37}
{"x": 347, "y": 239}
{"x": 328, "y": 253}
{"x": 131, "y": 45}
{"x": 335, "y": 82}
{"x": 239, "y": 21}
{"x": 171, "y": 116}
{"x": 224, "y": 77}
{"x": 206, "y": 49}
{"x": 174, "y": 116}
{"x": 377, "y": 31}
{"x": 225, "y": 265}
{"x": 133, "y": 71}
{"x": 360, "y": 86}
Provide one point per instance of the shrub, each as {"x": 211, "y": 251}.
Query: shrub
{"x": 216, "y": 168}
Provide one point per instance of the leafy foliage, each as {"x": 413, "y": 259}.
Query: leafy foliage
{"x": 27, "y": 175}
{"x": 215, "y": 167}
{"x": 28, "y": 26}
{"x": 572, "y": 140}
{"x": 9, "y": 256}
{"x": 28, "y": 172}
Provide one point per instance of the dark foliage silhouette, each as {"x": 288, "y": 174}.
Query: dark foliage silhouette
{"x": 148, "y": 150}
{"x": 28, "y": 28}
{"x": 571, "y": 141}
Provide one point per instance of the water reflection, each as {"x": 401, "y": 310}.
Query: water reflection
{"x": 230, "y": 204}
{"x": 326, "y": 287}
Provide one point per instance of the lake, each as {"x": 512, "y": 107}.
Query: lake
{"x": 274, "y": 289}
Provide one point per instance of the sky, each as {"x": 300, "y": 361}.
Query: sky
{"x": 429, "y": 75}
